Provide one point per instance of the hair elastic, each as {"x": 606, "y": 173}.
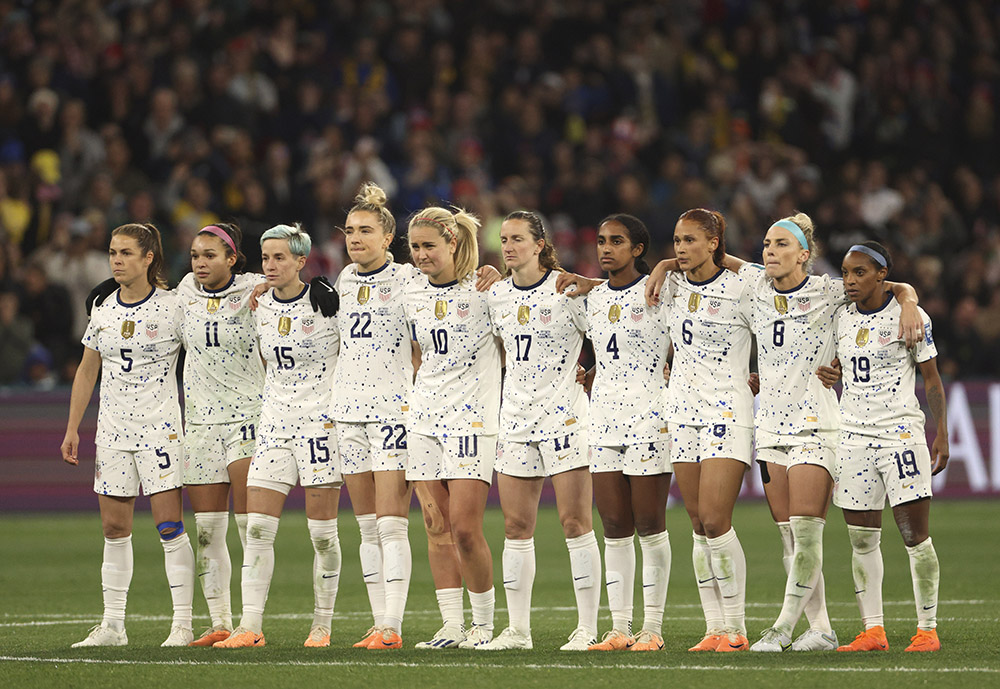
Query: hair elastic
{"x": 795, "y": 230}
{"x": 451, "y": 233}
{"x": 875, "y": 256}
{"x": 221, "y": 234}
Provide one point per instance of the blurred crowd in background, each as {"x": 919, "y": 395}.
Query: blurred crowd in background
{"x": 879, "y": 119}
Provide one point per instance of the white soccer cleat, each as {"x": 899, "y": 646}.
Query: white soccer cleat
{"x": 477, "y": 636}
{"x": 102, "y": 635}
{"x": 179, "y": 636}
{"x": 449, "y": 636}
{"x": 579, "y": 640}
{"x": 772, "y": 641}
{"x": 815, "y": 640}
{"x": 509, "y": 639}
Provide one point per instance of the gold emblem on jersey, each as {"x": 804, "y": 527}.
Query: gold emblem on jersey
{"x": 694, "y": 301}
{"x": 614, "y": 313}
{"x": 523, "y": 314}
{"x": 128, "y": 329}
{"x": 781, "y": 303}
{"x": 862, "y": 338}
{"x": 284, "y": 325}
{"x": 212, "y": 305}
{"x": 364, "y": 294}
{"x": 440, "y": 309}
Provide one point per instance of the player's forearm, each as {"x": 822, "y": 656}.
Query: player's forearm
{"x": 83, "y": 388}
{"x": 937, "y": 403}
{"x": 732, "y": 263}
{"x": 904, "y": 292}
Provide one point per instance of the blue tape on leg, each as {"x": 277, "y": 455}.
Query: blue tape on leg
{"x": 170, "y": 530}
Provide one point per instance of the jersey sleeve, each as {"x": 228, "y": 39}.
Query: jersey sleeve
{"x": 90, "y": 338}
{"x": 925, "y": 349}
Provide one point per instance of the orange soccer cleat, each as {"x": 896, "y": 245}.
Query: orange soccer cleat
{"x": 369, "y": 636}
{"x": 710, "y": 642}
{"x": 385, "y": 639}
{"x": 242, "y": 638}
{"x": 871, "y": 639}
{"x": 925, "y": 640}
{"x": 647, "y": 641}
{"x": 211, "y": 636}
{"x": 613, "y": 640}
{"x": 731, "y": 643}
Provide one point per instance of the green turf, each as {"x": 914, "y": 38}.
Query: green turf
{"x": 50, "y": 596}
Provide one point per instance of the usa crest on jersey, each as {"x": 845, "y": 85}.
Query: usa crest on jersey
{"x": 384, "y": 293}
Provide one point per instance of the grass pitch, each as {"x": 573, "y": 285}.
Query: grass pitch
{"x": 50, "y": 596}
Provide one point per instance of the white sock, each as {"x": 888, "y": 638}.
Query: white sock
{"x": 585, "y": 565}
{"x": 214, "y": 568}
{"x": 815, "y": 610}
{"x": 655, "y": 578}
{"x": 326, "y": 568}
{"x": 806, "y": 569}
{"x": 394, "y": 534}
{"x": 866, "y": 559}
{"x": 518, "y": 579}
{"x": 241, "y": 527}
{"x": 258, "y": 567}
{"x": 450, "y": 603}
{"x": 926, "y": 573}
{"x": 483, "y": 605}
{"x": 730, "y": 567}
{"x": 371, "y": 564}
{"x": 116, "y": 575}
{"x": 178, "y": 557}
{"x": 619, "y": 578}
{"x": 708, "y": 587}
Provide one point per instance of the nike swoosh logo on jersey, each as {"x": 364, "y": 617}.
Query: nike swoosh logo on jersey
{"x": 466, "y": 466}
{"x": 505, "y": 315}
{"x": 192, "y": 302}
{"x": 421, "y": 308}
{"x": 392, "y": 455}
{"x": 646, "y": 459}
{"x": 163, "y": 476}
{"x": 562, "y": 457}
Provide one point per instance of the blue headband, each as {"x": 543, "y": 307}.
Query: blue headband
{"x": 875, "y": 256}
{"x": 795, "y": 230}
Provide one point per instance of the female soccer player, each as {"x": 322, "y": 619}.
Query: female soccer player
{"x": 134, "y": 341}
{"x": 628, "y": 438}
{"x": 296, "y": 438}
{"x": 543, "y": 420}
{"x": 883, "y": 451}
{"x": 454, "y": 406}
{"x": 797, "y": 421}
{"x": 223, "y": 380}
{"x": 372, "y": 383}
{"x": 710, "y": 408}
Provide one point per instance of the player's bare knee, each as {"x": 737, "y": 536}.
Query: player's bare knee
{"x": 116, "y": 530}
{"x": 574, "y": 526}
{"x": 617, "y": 528}
{"x": 649, "y": 527}
{"x": 517, "y": 528}
{"x": 434, "y": 522}
{"x": 713, "y": 527}
{"x": 466, "y": 537}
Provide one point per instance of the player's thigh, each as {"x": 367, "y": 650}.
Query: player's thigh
{"x": 322, "y": 501}
{"x": 392, "y": 493}
{"x": 519, "y": 503}
{"x": 809, "y": 490}
{"x": 574, "y": 491}
{"x": 361, "y": 489}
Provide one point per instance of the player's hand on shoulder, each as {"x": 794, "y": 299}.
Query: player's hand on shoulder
{"x": 100, "y": 293}
{"x": 830, "y": 375}
{"x": 486, "y": 277}
{"x": 655, "y": 283}
{"x": 574, "y": 285}
{"x": 323, "y": 296}
{"x": 258, "y": 291}
{"x": 754, "y": 383}
{"x": 911, "y": 324}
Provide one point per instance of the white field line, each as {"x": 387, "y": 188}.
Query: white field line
{"x": 491, "y": 666}
{"x": 304, "y": 616}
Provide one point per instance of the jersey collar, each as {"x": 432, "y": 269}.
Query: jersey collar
{"x": 141, "y": 301}
{"x": 792, "y": 289}
{"x": 447, "y": 284}
{"x": 232, "y": 279}
{"x": 530, "y": 287}
{"x": 305, "y": 288}
{"x": 888, "y": 298}
{"x": 373, "y": 272}
{"x": 625, "y": 287}
{"x": 705, "y": 282}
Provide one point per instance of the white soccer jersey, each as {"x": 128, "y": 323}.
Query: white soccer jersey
{"x": 710, "y": 327}
{"x": 630, "y": 344}
{"x": 457, "y": 389}
{"x": 879, "y": 405}
{"x": 223, "y": 374}
{"x": 795, "y": 336}
{"x": 375, "y": 372}
{"x": 542, "y": 333}
{"x": 138, "y": 344}
{"x": 300, "y": 349}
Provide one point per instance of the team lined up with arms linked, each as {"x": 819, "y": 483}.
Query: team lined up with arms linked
{"x": 434, "y": 375}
